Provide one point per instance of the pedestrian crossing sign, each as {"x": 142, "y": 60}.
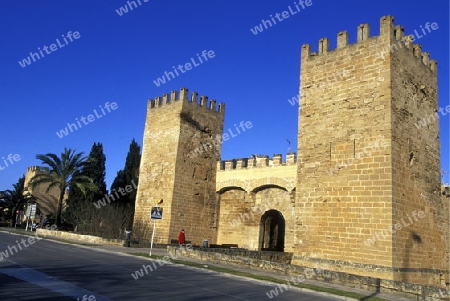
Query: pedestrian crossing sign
{"x": 156, "y": 213}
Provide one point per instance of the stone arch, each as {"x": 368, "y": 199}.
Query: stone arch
{"x": 287, "y": 184}
{"x": 227, "y": 188}
{"x": 231, "y": 184}
{"x": 251, "y": 185}
{"x": 265, "y": 186}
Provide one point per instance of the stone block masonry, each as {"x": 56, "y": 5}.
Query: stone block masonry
{"x": 47, "y": 200}
{"x": 408, "y": 39}
{"x": 174, "y": 128}
{"x": 343, "y": 210}
{"x": 279, "y": 263}
{"x": 429, "y": 119}
{"x": 250, "y": 187}
{"x": 299, "y": 206}
{"x": 338, "y": 208}
{"x": 419, "y": 253}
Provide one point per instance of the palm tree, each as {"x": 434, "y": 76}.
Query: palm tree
{"x": 65, "y": 172}
{"x": 13, "y": 200}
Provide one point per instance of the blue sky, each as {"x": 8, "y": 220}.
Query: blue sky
{"x": 117, "y": 58}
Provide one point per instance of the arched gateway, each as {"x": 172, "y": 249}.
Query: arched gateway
{"x": 272, "y": 230}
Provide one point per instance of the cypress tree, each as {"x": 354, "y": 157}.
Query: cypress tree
{"x": 129, "y": 175}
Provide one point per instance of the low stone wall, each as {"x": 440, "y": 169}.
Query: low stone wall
{"x": 78, "y": 237}
{"x": 280, "y": 257}
{"x": 249, "y": 259}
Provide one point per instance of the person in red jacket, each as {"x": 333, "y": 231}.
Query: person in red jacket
{"x": 181, "y": 238}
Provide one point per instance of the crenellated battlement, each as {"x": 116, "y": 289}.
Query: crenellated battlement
{"x": 37, "y": 169}
{"x": 32, "y": 171}
{"x": 33, "y": 168}
{"x": 387, "y": 29}
{"x": 183, "y": 95}
{"x": 257, "y": 161}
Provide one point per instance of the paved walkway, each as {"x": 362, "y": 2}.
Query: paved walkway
{"x": 163, "y": 252}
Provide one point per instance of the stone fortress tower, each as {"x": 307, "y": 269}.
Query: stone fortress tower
{"x": 393, "y": 173}
{"x": 178, "y": 165}
{"x": 47, "y": 201}
{"x": 361, "y": 197}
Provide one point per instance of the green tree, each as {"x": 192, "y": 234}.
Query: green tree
{"x": 14, "y": 199}
{"x": 79, "y": 203}
{"x": 95, "y": 168}
{"x": 65, "y": 172}
{"x": 119, "y": 181}
{"x": 129, "y": 175}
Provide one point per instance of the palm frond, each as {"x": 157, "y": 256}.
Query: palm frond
{"x": 64, "y": 172}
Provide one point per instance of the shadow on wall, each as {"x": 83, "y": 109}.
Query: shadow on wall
{"x": 414, "y": 238}
{"x": 47, "y": 204}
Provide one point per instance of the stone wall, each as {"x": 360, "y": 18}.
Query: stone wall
{"x": 248, "y": 188}
{"x": 318, "y": 271}
{"x": 253, "y": 173}
{"x": 419, "y": 250}
{"x": 42, "y": 233}
{"x": 237, "y": 256}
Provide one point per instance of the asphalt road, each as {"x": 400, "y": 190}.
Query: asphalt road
{"x": 47, "y": 270}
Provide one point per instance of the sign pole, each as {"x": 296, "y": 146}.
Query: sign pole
{"x": 155, "y": 213}
{"x": 153, "y": 235}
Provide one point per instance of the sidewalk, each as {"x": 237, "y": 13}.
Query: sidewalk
{"x": 163, "y": 252}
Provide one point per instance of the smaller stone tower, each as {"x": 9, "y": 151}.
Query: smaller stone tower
{"x": 181, "y": 148}
{"x": 47, "y": 201}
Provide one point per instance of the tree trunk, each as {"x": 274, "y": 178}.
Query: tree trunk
{"x": 59, "y": 210}
{"x": 14, "y": 216}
